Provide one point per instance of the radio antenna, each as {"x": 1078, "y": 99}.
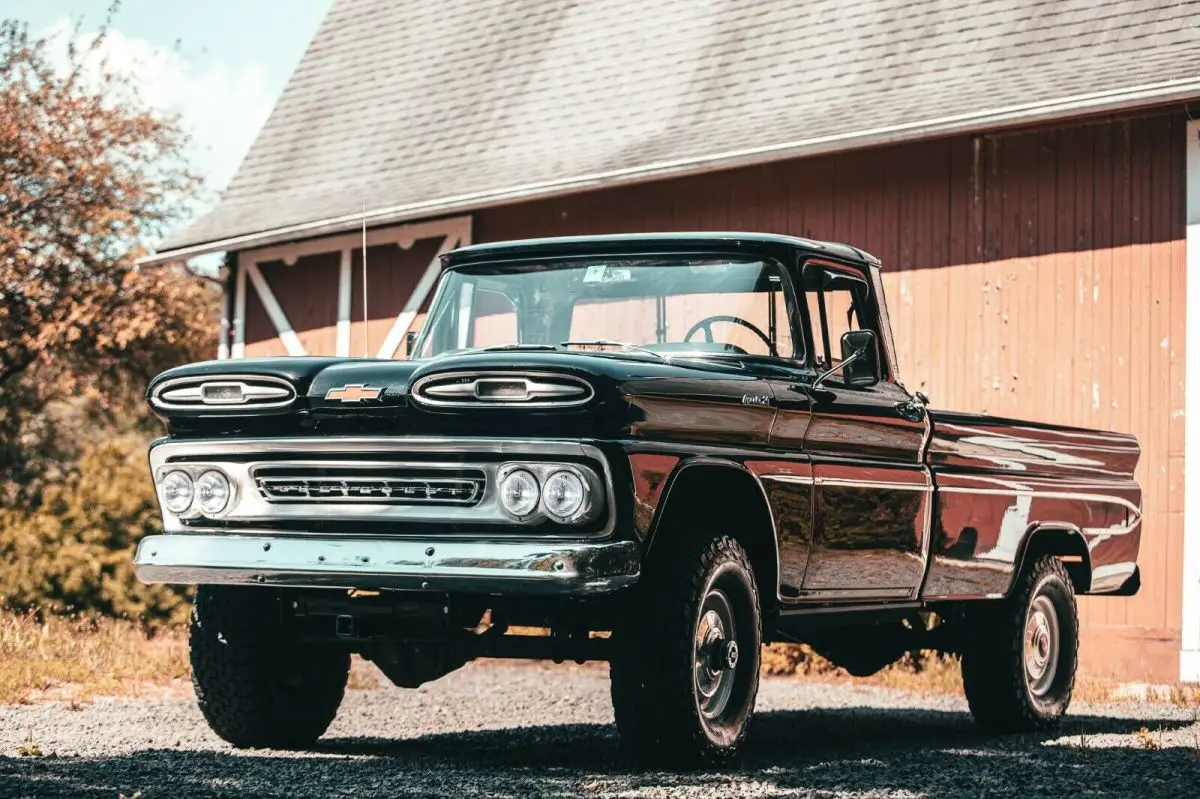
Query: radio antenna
{"x": 366, "y": 316}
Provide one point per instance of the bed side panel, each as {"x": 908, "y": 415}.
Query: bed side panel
{"x": 999, "y": 480}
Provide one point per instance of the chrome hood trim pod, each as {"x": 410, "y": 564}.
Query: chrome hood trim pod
{"x": 498, "y": 389}
{"x": 223, "y": 393}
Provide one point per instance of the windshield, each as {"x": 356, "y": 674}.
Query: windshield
{"x": 653, "y": 306}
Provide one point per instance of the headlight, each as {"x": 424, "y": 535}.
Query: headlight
{"x": 176, "y": 490}
{"x": 519, "y": 492}
{"x": 213, "y": 492}
{"x": 564, "y": 494}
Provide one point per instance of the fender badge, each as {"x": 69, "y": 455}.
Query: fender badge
{"x": 756, "y": 399}
{"x": 355, "y": 392}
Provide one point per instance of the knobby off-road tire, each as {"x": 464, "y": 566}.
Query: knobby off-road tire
{"x": 1019, "y": 666}
{"x": 686, "y": 655}
{"x": 255, "y": 687}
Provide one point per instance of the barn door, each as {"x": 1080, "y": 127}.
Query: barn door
{"x": 307, "y": 298}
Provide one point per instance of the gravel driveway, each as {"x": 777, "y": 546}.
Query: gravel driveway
{"x": 501, "y": 730}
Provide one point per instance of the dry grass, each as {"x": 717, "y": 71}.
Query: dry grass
{"x": 931, "y": 673}
{"x": 84, "y": 657}
{"x": 922, "y": 672}
{"x": 78, "y": 659}
{"x": 364, "y": 675}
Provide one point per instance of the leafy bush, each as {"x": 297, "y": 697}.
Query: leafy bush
{"x": 89, "y": 175}
{"x": 73, "y": 550}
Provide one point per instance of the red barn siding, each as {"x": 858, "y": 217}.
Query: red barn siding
{"x": 1036, "y": 274}
{"x": 307, "y": 291}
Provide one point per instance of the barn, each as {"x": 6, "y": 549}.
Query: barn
{"x": 1028, "y": 172}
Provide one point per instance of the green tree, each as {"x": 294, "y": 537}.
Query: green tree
{"x": 88, "y": 175}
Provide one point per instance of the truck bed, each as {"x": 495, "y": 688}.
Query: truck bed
{"x": 1000, "y": 481}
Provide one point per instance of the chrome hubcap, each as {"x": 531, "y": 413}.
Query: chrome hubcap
{"x": 1041, "y": 645}
{"x": 716, "y": 654}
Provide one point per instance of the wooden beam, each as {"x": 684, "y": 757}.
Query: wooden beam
{"x": 239, "y": 313}
{"x": 278, "y": 318}
{"x": 458, "y": 235}
{"x": 343, "y": 321}
{"x": 1189, "y": 655}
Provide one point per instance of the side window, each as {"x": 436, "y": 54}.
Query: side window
{"x": 837, "y": 302}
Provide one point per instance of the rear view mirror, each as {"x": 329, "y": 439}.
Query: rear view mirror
{"x": 860, "y": 358}
{"x": 410, "y": 341}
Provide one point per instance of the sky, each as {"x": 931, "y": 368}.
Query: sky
{"x": 220, "y": 64}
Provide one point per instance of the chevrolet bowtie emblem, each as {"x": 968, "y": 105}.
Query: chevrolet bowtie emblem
{"x": 355, "y": 392}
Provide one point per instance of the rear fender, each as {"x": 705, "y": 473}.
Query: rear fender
{"x": 1063, "y": 540}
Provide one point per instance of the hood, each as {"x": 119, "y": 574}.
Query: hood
{"x": 517, "y": 392}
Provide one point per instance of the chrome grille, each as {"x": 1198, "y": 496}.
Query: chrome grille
{"x": 376, "y": 485}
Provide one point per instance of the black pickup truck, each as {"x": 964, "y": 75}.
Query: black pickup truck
{"x": 659, "y": 450}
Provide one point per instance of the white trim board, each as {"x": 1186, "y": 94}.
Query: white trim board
{"x": 1189, "y": 656}
{"x": 454, "y": 232}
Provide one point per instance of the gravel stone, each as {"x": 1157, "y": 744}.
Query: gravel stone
{"x": 519, "y": 730}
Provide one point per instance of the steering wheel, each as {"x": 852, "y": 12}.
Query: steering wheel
{"x": 706, "y": 324}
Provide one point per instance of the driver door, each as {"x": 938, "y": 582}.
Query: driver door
{"x": 871, "y": 491}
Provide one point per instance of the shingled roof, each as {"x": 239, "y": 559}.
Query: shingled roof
{"x": 425, "y": 108}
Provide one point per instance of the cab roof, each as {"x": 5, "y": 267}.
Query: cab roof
{"x": 764, "y": 244}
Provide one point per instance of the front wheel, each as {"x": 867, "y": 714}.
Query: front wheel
{"x": 1019, "y": 668}
{"x": 255, "y": 687}
{"x": 686, "y": 656}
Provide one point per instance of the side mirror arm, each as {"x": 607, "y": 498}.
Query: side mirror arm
{"x": 821, "y": 378}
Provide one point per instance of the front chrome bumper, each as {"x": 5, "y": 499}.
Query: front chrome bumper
{"x": 484, "y": 567}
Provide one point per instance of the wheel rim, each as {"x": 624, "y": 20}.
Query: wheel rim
{"x": 1041, "y": 645}
{"x": 716, "y": 654}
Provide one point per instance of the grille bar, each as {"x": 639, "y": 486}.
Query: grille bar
{"x": 340, "y": 484}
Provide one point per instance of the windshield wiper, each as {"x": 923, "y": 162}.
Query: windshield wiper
{"x": 608, "y": 342}
{"x": 499, "y": 347}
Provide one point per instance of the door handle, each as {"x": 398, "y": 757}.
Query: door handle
{"x": 913, "y": 410}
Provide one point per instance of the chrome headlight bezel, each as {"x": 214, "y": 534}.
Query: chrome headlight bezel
{"x": 584, "y": 499}
{"x": 518, "y": 472}
{"x": 160, "y": 488}
{"x": 194, "y": 472}
{"x": 198, "y": 502}
{"x": 589, "y": 508}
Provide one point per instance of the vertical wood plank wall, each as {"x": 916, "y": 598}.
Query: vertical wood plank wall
{"x": 1038, "y": 275}
{"x": 307, "y": 292}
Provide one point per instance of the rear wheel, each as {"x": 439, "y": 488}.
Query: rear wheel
{"x": 256, "y": 687}
{"x": 686, "y": 658}
{"x": 1019, "y": 668}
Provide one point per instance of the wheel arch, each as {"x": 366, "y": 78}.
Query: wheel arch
{"x": 745, "y": 515}
{"x": 1063, "y": 540}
